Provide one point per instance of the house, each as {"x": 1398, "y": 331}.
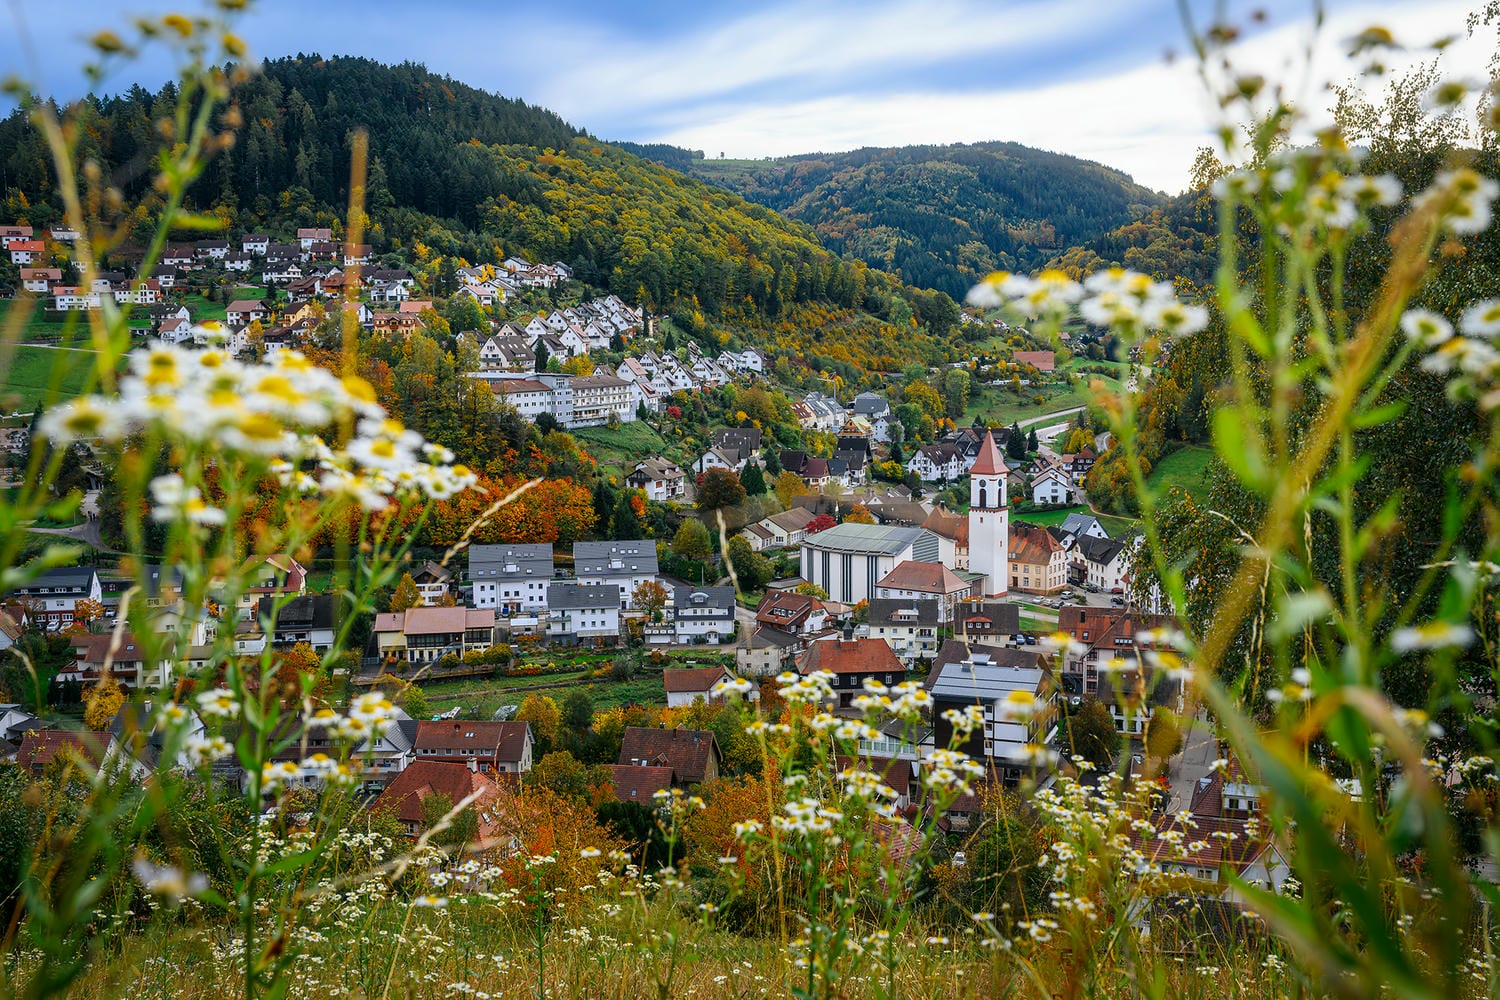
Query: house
{"x": 640, "y": 782}
{"x": 687, "y": 685}
{"x": 916, "y": 579}
{"x": 910, "y": 627}
{"x": 272, "y": 576}
{"x": 1052, "y": 486}
{"x": 211, "y": 249}
{"x": 767, "y": 652}
{"x": 243, "y": 312}
{"x": 308, "y": 236}
{"x": 1081, "y": 525}
{"x": 852, "y": 661}
{"x": 793, "y": 613}
{"x": 26, "y": 251}
{"x": 1038, "y": 560}
{"x": 1042, "y": 361}
{"x": 388, "y": 752}
{"x": 511, "y": 578}
{"x": 255, "y": 244}
{"x": 936, "y": 463}
{"x": 625, "y": 564}
{"x": 1102, "y": 565}
{"x": 820, "y": 412}
{"x": 40, "y": 279}
{"x": 308, "y": 619}
{"x": 506, "y": 353}
{"x": 52, "y": 597}
{"x": 849, "y": 559}
{"x": 40, "y": 747}
{"x": 745, "y": 442}
{"x": 16, "y": 722}
{"x": 505, "y": 747}
{"x": 1008, "y": 742}
{"x": 62, "y": 232}
{"x": 692, "y": 754}
{"x": 697, "y": 615}
{"x": 424, "y": 634}
{"x": 583, "y": 612}
{"x": 10, "y": 234}
{"x": 1078, "y": 465}
{"x": 1221, "y": 829}
{"x": 434, "y": 581}
{"x": 991, "y": 622}
{"x": 719, "y": 458}
{"x": 600, "y": 397}
{"x": 448, "y": 783}
{"x": 1109, "y": 639}
{"x": 659, "y": 479}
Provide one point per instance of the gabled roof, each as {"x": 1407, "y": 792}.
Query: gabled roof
{"x": 423, "y": 779}
{"x": 923, "y": 577}
{"x": 794, "y": 519}
{"x": 640, "y": 783}
{"x": 686, "y": 751}
{"x": 850, "y": 656}
{"x": 635, "y": 556}
{"x": 949, "y": 525}
{"x": 1032, "y": 545}
{"x": 430, "y": 620}
{"x": 692, "y": 680}
{"x": 504, "y": 741}
{"x": 493, "y": 562}
{"x": 39, "y": 747}
{"x": 897, "y": 611}
{"x": 565, "y": 596}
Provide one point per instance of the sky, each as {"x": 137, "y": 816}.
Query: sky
{"x": 1106, "y": 80}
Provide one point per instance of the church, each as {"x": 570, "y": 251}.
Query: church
{"x": 989, "y": 519}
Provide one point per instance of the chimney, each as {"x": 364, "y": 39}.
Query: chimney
{"x": 474, "y": 764}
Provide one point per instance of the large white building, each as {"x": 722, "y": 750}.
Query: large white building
{"x": 511, "y": 578}
{"x": 625, "y": 564}
{"x": 848, "y": 560}
{"x": 989, "y": 520}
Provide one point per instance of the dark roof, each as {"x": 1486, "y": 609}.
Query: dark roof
{"x": 312, "y": 611}
{"x": 72, "y": 577}
{"x": 991, "y": 617}
{"x": 595, "y": 558}
{"x": 956, "y": 651}
{"x": 903, "y": 611}
{"x": 1100, "y": 550}
{"x": 686, "y": 751}
{"x": 639, "y": 783}
{"x": 563, "y": 596}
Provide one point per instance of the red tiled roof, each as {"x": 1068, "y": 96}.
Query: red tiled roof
{"x": 39, "y": 747}
{"x": 697, "y": 680}
{"x": 638, "y": 782}
{"x": 1105, "y": 625}
{"x": 1032, "y": 545}
{"x": 1042, "y": 361}
{"x": 850, "y": 656}
{"x": 425, "y": 778}
{"x": 500, "y": 741}
{"x": 686, "y": 751}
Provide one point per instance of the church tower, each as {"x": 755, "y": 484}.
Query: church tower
{"x": 989, "y": 520}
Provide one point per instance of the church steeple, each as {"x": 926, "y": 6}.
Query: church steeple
{"x": 989, "y": 519}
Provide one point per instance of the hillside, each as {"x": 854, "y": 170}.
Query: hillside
{"x": 459, "y": 173}
{"x": 938, "y": 216}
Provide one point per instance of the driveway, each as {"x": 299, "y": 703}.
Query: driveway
{"x": 1194, "y": 763}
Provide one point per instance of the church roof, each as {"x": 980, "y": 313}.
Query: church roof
{"x": 988, "y": 463}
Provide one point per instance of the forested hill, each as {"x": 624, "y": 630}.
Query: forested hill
{"x": 939, "y": 216}
{"x": 459, "y": 173}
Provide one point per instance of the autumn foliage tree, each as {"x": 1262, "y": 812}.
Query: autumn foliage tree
{"x": 405, "y": 595}
{"x": 103, "y": 702}
{"x": 649, "y": 596}
{"x": 719, "y": 488}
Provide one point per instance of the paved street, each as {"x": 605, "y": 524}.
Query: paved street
{"x": 1184, "y": 771}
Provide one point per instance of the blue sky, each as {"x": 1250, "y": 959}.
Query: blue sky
{"x": 1088, "y": 77}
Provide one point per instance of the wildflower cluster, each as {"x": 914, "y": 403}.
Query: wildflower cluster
{"x": 1468, "y": 355}
{"x": 272, "y": 411}
{"x": 1126, "y": 301}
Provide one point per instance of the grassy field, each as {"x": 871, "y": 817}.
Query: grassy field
{"x": 617, "y": 451}
{"x": 36, "y": 327}
{"x": 1047, "y": 518}
{"x": 479, "y": 698}
{"x": 40, "y": 374}
{"x": 1184, "y": 468}
{"x": 1002, "y": 405}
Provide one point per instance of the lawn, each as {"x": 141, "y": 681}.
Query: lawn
{"x": 479, "y": 697}
{"x": 36, "y": 375}
{"x": 617, "y": 451}
{"x": 1116, "y": 526}
{"x": 1185, "y": 468}
{"x": 36, "y": 328}
{"x": 1002, "y": 405}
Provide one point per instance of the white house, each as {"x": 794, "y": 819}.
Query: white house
{"x": 1052, "y": 486}
{"x": 583, "y": 612}
{"x": 624, "y": 564}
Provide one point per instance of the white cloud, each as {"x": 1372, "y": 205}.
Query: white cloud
{"x": 1148, "y": 121}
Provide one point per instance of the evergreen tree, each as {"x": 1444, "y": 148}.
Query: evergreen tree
{"x": 1031, "y": 442}
{"x": 542, "y": 357}
{"x": 1015, "y": 443}
{"x": 625, "y": 523}
{"x": 604, "y": 505}
{"x": 753, "y": 480}
{"x": 896, "y": 454}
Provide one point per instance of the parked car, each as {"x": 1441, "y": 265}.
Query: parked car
{"x": 1118, "y": 602}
